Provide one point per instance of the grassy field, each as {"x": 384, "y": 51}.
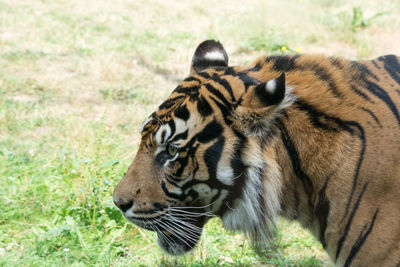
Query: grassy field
{"x": 78, "y": 77}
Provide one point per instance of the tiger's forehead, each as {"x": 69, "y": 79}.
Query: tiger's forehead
{"x": 197, "y": 94}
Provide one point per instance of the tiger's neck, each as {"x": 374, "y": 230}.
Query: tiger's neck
{"x": 307, "y": 159}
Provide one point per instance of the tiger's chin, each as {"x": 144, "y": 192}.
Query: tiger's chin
{"x": 176, "y": 245}
{"x": 175, "y": 235}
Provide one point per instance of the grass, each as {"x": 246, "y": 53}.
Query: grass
{"x": 78, "y": 77}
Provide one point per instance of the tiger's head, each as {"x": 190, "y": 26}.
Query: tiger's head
{"x": 209, "y": 151}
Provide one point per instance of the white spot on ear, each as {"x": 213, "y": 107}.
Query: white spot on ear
{"x": 214, "y": 55}
{"x": 271, "y": 86}
{"x": 159, "y": 138}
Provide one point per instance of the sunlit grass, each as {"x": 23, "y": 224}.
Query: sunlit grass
{"x": 78, "y": 77}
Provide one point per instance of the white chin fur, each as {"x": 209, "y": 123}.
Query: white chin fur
{"x": 174, "y": 249}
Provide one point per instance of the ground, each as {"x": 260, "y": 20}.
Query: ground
{"x": 78, "y": 77}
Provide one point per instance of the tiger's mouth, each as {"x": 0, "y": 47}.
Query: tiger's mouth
{"x": 177, "y": 232}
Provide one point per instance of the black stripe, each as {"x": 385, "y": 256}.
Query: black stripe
{"x": 360, "y": 93}
{"x": 168, "y": 179}
{"x": 224, "y": 83}
{"x": 323, "y": 74}
{"x": 320, "y": 119}
{"x": 363, "y": 70}
{"x": 224, "y": 110}
{"x": 212, "y": 155}
{"x": 360, "y": 160}
{"x": 295, "y": 160}
{"x": 230, "y": 71}
{"x": 336, "y": 62}
{"x": 163, "y": 136}
{"x": 191, "y": 79}
{"x": 398, "y": 91}
{"x": 183, "y": 136}
{"x": 200, "y": 64}
{"x": 372, "y": 115}
{"x": 247, "y": 80}
{"x": 183, "y": 161}
{"x": 210, "y": 132}
{"x": 257, "y": 67}
{"x": 203, "y": 107}
{"x": 360, "y": 241}
{"x": 192, "y": 92}
{"x": 172, "y": 195}
{"x": 392, "y": 66}
{"x": 171, "y": 124}
{"x": 182, "y": 113}
{"x": 384, "y": 96}
{"x": 297, "y": 200}
{"x": 239, "y": 172}
{"x": 204, "y": 75}
{"x": 217, "y": 93}
{"x": 161, "y": 158}
{"x": 322, "y": 211}
{"x": 349, "y": 221}
{"x": 375, "y": 64}
{"x": 170, "y": 102}
{"x": 283, "y": 63}
{"x": 185, "y": 89}
{"x": 324, "y": 121}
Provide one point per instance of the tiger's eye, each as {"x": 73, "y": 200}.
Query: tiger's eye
{"x": 172, "y": 150}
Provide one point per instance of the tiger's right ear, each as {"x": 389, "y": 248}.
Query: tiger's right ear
{"x": 261, "y": 104}
{"x": 208, "y": 54}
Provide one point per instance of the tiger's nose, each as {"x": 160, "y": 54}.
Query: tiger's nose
{"x": 123, "y": 205}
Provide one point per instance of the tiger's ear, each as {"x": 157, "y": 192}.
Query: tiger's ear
{"x": 266, "y": 94}
{"x": 208, "y": 54}
{"x": 262, "y": 104}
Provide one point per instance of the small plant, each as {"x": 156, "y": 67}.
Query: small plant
{"x": 359, "y": 22}
{"x": 260, "y": 43}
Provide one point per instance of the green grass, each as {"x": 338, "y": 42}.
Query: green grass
{"x": 78, "y": 77}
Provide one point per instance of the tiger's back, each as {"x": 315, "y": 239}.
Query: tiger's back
{"x": 356, "y": 166}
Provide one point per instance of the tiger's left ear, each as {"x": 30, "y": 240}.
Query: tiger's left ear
{"x": 208, "y": 54}
{"x": 262, "y": 104}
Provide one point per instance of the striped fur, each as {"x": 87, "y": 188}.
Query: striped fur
{"x": 306, "y": 137}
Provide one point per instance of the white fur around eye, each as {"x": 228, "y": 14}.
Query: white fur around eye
{"x": 171, "y": 160}
{"x": 163, "y": 134}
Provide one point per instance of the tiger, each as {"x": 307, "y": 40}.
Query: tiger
{"x": 309, "y": 138}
